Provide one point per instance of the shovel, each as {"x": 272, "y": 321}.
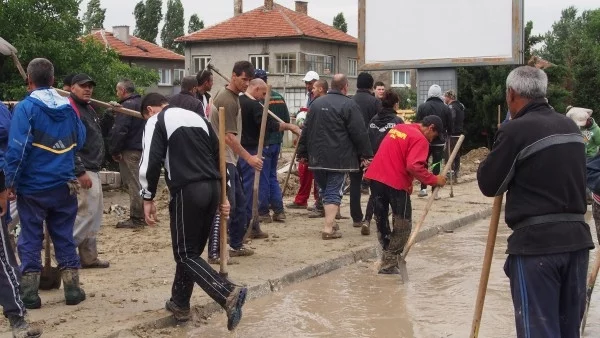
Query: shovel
{"x": 50, "y": 277}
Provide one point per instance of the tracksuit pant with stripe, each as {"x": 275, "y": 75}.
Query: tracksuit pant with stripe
{"x": 192, "y": 210}
{"x": 10, "y": 300}
{"x": 548, "y": 293}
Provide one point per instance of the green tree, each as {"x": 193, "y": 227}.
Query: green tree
{"x": 195, "y": 24}
{"x": 147, "y": 17}
{"x": 173, "y": 27}
{"x": 93, "y": 17}
{"x": 339, "y": 22}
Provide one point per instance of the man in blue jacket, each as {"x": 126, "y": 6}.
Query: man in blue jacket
{"x": 45, "y": 133}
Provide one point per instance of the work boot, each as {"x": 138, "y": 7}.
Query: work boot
{"x": 131, "y": 223}
{"x": 241, "y": 252}
{"x": 423, "y": 193}
{"x": 357, "y": 224}
{"x": 317, "y": 213}
{"x": 258, "y": 234}
{"x": 279, "y": 216}
{"x": 30, "y": 282}
{"x": 293, "y": 205}
{"x": 365, "y": 229}
{"x": 21, "y": 329}
{"x": 266, "y": 218}
{"x": 73, "y": 293}
{"x": 389, "y": 264}
{"x": 233, "y": 306}
{"x": 179, "y": 313}
{"x": 88, "y": 253}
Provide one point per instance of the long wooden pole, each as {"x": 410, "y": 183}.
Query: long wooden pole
{"x": 415, "y": 231}
{"x": 224, "y": 253}
{"x": 261, "y": 143}
{"x": 590, "y": 289}
{"x": 487, "y": 264}
{"x": 453, "y": 173}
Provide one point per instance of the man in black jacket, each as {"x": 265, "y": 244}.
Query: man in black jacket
{"x": 205, "y": 83}
{"x": 435, "y": 106}
{"x": 126, "y": 149}
{"x": 539, "y": 160}
{"x": 458, "y": 118}
{"x": 369, "y": 106}
{"x": 186, "y": 98}
{"x": 87, "y": 165}
{"x": 334, "y": 142}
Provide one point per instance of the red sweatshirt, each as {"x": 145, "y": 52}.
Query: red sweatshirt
{"x": 401, "y": 158}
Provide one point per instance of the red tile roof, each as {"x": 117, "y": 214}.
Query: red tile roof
{"x": 138, "y": 48}
{"x": 281, "y": 22}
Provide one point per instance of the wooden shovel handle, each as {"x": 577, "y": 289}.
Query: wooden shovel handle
{"x": 224, "y": 253}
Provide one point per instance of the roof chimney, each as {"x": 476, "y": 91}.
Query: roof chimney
{"x": 122, "y": 33}
{"x": 268, "y": 5}
{"x": 302, "y": 7}
{"x": 237, "y": 7}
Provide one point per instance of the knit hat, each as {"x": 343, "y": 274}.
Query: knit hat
{"x": 364, "y": 81}
{"x": 434, "y": 91}
{"x": 579, "y": 115}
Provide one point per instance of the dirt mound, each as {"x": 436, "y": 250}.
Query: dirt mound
{"x": 470, "y": 162}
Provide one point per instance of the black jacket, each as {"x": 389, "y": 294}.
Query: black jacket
{"x": 91, "y": 156}
{"x": 126, "y": 133}
{"x": 334, "y": 136}
{"x": 539, "y": 181}
{"x": 435, "y": 106}
{"x": 185, "y": 144}
{"x": 380, "y": 125}
{"x": 187, "y": 100}
{"x": 368, "y": 103}
{"x": 458, "y": 117}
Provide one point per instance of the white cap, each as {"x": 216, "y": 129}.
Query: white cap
{"x": 311, "y": 76}
{"x": 579, "y": 115}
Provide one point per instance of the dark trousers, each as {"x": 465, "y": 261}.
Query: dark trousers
{"x": 238, "y": 219}
{"x": 548, "y": 293}
{"x": 269, "y": 192}
{"x": 370, "y": 208}
{"x": 10, "y": 300}
{"x": 192, "y": 210}
{"x": 456, "y": 163}
{"x": 436, "y": 152}
{"x": 355, "y": 194}
{"x": 385, "y": 197}
{"x": 58, "y": 208}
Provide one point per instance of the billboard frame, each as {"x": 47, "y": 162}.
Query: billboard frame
{"x": 517, "y": 57}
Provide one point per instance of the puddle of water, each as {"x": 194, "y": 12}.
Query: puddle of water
{"x": 438, "y": 301}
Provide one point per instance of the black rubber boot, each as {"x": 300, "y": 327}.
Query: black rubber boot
{"x": 30, "y": 283}
{"x": 73, "y": 293}
{"x": 21, "y": 329}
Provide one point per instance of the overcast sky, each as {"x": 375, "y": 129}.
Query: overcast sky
{"x": 120, "y": 12}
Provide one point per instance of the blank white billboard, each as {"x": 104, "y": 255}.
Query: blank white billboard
{"x": 456, "y": 31}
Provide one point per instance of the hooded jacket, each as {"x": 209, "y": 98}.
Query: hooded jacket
{"x": 334, "y": 136}
{"x": 591, "y": 136}
{"x": 126, "y": 133}
{"x": 380, "y": 125}
{"x": 45, "y": 134}
{"x": 457, "y": 109}
{"x": 91, "y": 155}
{"x": 368, "y": 103}
{"x": 435, "y": 106}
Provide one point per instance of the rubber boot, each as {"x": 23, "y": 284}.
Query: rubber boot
{"x": 73, "y": 293}
{"x": 21, "y": 329}
{"x": 389, "y": 263}
{"x": 30, "y": 283}
{"x": 400, "y": 234}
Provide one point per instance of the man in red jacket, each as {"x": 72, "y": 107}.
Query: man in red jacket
{"x": 401, "y": 158}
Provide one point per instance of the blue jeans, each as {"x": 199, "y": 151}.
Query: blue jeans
{"x": 330, "y": 186}
{"x": 269, "y": 192}
{"x": 548, "y": 293}
{"x": 58, "y": 208}
{"x": 238, "y": 220}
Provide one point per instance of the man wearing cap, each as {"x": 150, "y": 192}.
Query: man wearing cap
{"x": 457, "y": 109}
{"x": 435, "y": 106}
{"x": 309, "y": 80}
{"x": 589, "y": 128}
{"x": 400, "y": 159}
{"x": 87, "y": 165}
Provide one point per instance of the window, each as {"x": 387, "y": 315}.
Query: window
{"x": 260, "y": 62}
{"x": 401, "y": 78}
{"x": 286, "y": 63}
{"x": 352, "y": 67}
{"x": 200, "y": 62}
{"x": 178, "y": 75}
{"x": 322, "y": 64}
{"x": 164, "y": 77}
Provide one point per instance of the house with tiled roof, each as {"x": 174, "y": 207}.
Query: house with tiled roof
{"x": 135, "y": 51}
{"x": 286, "y": 43}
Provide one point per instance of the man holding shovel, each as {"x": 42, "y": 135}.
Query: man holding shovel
{"x": 401, "y": 157}
{"x": 184, "y": 143}
{"x": 539, "y": 160}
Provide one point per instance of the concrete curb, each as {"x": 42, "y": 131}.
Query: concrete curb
{"x": 311, "y": 271}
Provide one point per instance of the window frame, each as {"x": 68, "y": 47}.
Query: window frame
{"x": 289, "y": 59}
{"x": 181, "y": 73}
{"x": 205, "y": 58}
{"x": 263, "y": 58}
{"x": 406, "y": 83}
{"x": 161, "y": 80}
{"x": 352, "y": 65}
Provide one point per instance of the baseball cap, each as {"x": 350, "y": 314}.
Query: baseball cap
{"x": 260, "y": 74}
{"x": 436, "y": 122}
{"x": 311, "y": 76}
{"x": 82, "y": 79}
